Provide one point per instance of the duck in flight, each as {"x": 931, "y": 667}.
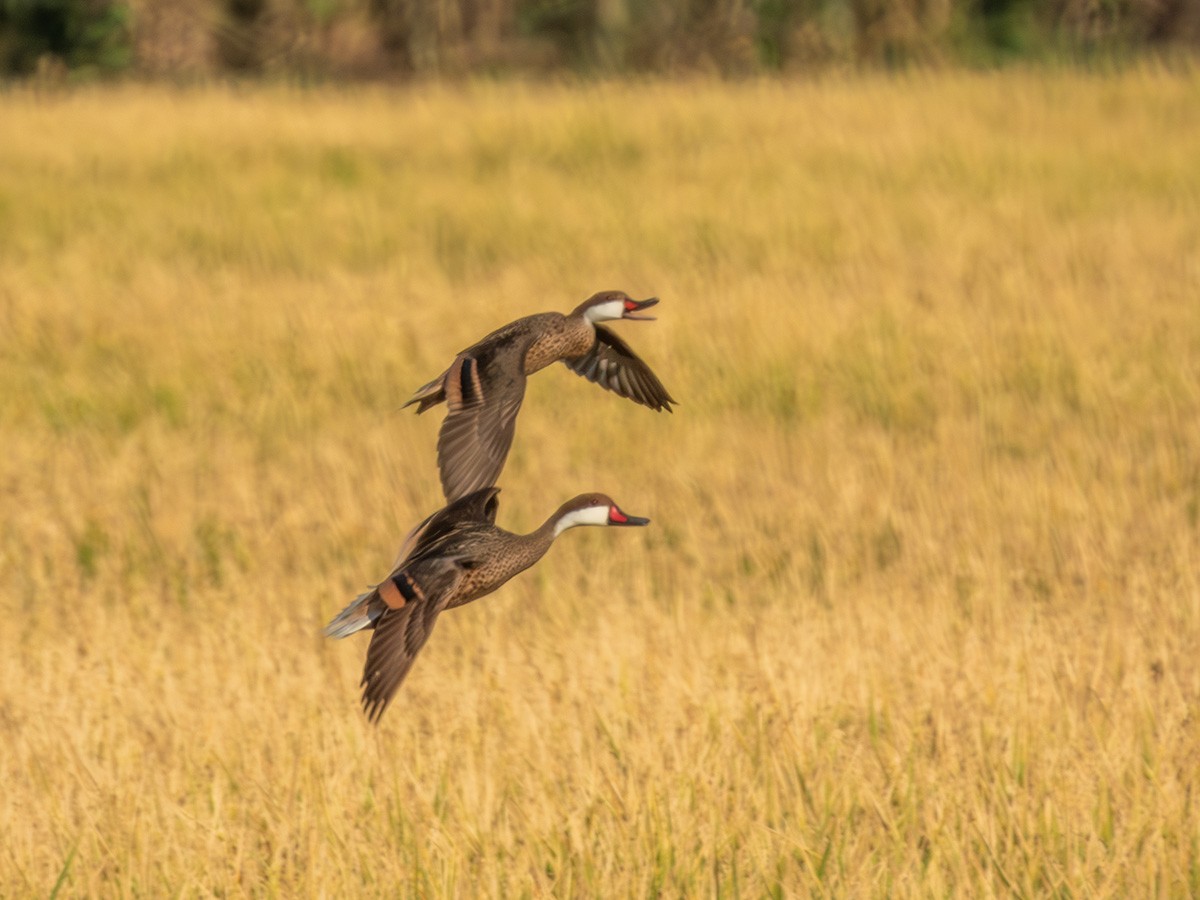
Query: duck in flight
{"x": 453, "y": 557}
{"x": 484, "y": 386}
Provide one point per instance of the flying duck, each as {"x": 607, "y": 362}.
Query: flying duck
{"x": 484, "y": 386}
{"x": 453, "y": 557}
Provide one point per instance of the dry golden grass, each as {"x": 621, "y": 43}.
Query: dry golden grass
{"x": 919, "y": 613}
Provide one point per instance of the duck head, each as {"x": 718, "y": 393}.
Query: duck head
{"x": 608, "y": 305}
{"x": 592, "y": 509}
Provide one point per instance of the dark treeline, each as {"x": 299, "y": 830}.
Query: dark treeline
{"x": 406, "y": 38}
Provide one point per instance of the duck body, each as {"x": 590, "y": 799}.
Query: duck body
{"x": 453, "y": 557}
{"x": 535, "y": 341}
{"x": 485, "y": 385}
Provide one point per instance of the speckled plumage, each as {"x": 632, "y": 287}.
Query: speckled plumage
{"x": 557, "y": 337}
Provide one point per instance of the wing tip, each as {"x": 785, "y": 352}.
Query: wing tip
{"x": 374, "y": 709}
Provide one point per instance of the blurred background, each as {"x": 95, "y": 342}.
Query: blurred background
{"x": 396, "y": 39}
{"x": 918, "y": 612}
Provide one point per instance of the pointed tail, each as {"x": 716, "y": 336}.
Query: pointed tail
{"x": 362, "y": 613}
{"x": 428, "y": 395}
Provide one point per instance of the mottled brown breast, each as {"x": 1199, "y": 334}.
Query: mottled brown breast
{"x": 496, "y": 558}
{"x": 558, "y": 337}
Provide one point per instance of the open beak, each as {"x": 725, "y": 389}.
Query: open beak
{"x": 637, "y": 307}
{"x": 616, "y": 517}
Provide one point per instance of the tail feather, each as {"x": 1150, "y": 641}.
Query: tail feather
{"x": 428, "y": 395}
{"x": 360, "y": 614}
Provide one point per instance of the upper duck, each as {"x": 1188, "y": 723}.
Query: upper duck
{"x": 453, "y": 557}
{"x": 485, "y": 384}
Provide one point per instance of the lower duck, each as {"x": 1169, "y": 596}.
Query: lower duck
{"x": 453, "y": 557}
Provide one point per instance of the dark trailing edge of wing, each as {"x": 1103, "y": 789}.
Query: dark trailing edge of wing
{"x": 613, "y": 365}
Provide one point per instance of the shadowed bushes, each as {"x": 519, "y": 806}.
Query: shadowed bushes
{"x": 406, "y": 38}
{"x": 37, "y": 36}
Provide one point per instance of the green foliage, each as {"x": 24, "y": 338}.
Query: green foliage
{"x": 1006, "y": 25}
{"x": 568, "y": 24}
{"x": 82, "y": 34}
{"x": 774, "y": 20}
{"x": 440, "y": 37}
{"x": 90, "y": 546}
{"x": 240, "y": 39}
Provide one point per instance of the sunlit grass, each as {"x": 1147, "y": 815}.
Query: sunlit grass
{"x": 919, "y": 610}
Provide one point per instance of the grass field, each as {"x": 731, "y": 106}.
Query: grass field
{"x": 919, "y": 610}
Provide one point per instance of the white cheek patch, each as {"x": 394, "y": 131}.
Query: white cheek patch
{"x": 591, "y": 515}
{"x": 602, "y": 312}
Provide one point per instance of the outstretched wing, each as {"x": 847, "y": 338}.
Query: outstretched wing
{"x": 614, "y": 366}
{"x": 484, "y": 389}
{"x": 478, "y": 507}
{"x": 402, "y": 631}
